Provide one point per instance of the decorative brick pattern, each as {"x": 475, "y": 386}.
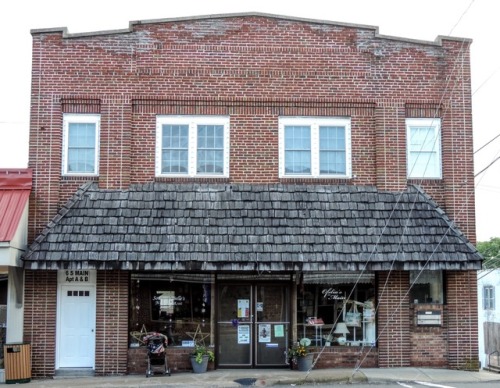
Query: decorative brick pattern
{"x": 284, "y": 67}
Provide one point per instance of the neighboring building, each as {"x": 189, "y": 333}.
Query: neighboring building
{"x": 228, "y": 177}
{"x": 15, "y": 188}
{"x": 488, "y": 290}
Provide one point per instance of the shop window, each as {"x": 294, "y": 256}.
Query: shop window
{"x": 337, "y": 309}
{"x": 426, "y": 287}
{"x": 178, "y": 306}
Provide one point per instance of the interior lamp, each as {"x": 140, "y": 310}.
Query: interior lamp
{"x": 341, "y": 328}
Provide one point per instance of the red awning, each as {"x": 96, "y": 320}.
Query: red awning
{"x": 15, "y": 187}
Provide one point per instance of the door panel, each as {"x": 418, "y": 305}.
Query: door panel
{"x": 253, "y": 324}
{"x": 235, "y": 325}
{"x": 272, "y": 322}
{"x": 76, "y": 343}
{"x": 232, "y": 350}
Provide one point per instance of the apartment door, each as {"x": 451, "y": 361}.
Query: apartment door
{"x": 253, "y": 325}
{"x": 76, "y": 327}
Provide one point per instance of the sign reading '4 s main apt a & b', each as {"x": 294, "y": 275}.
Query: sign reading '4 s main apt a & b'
{"x": 69, "y": 276}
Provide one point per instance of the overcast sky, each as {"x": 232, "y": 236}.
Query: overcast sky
{"x": 423, "y": 19}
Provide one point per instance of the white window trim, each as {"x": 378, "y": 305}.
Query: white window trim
{"x": 424, "y": 122}
{"x": 315, "y": 123}
{"x": 193, "y": 122}
{"x": 69, "y": 118}
{"x": 487, "y": 298}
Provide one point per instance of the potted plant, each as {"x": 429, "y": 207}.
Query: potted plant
{"x": 200, "y": 357}
{"x": 301, "y": 356}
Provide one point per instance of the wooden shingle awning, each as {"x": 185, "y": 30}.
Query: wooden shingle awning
{"x": 242, "y": 227}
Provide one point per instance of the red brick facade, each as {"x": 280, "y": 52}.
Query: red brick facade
{"x": 40, "y": 300}
{"x": 253, "y": 69}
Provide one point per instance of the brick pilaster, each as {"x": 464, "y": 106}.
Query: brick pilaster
{"x": 393, "y": 320}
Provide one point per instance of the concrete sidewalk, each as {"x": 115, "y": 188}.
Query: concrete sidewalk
{"x": 270, "y": 377}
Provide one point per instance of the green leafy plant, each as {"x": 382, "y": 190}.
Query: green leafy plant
{"x": 301, "y": 349}
{"x": 200, "y": 351}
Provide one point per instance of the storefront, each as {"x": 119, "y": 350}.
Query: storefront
{"x": 253, "y": 320}
{"x": 246, "y": 285}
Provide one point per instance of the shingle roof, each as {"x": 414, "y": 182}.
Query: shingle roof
{"x": 160, "y": 226}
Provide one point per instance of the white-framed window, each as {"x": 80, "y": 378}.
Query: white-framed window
{"x": 192, "y": 146}
{"x": 315, "y": 147}
{"x": 81, "y": 144}
{"x": 423, "y": 148}
{"x": 488, "y": 298}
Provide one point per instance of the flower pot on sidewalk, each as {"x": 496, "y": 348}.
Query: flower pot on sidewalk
{"x": 304, "y": 363}
{"x": 199, "y": 367}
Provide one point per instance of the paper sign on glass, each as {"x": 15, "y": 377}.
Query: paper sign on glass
{"x": 243, "y": 308}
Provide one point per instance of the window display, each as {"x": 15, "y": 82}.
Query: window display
{"x": 179, "y": 307}
{"x": 337, "y": 309}
{"x": 426, "y": 287}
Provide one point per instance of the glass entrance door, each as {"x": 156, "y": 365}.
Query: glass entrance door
{"x": 235, "y": 326}
{"x": 272, "y": 321}
{"x": 253, "y": 325}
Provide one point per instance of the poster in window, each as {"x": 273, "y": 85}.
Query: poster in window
{"x": 265, "y": 332}
{"x": 279, "y": 331}
{"x": 243, "y": 308}
{"x": 243, "y": 334}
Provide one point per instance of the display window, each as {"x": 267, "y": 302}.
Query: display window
{"x": 426, "y": 287}
{"x": 337, "y": 309}
{"x": 178, "y": 306}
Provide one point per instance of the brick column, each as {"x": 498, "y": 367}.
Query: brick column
{"x": 112, "y": 302}
{"x": 115, "y": 142}
{"x": 462, "y": 320}
{"x": 393, "y": 322}
{"x": 390, "y": 147}
{"x": 40, "y": 304}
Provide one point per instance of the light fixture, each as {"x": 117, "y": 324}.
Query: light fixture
{"x": 341, "y": 328}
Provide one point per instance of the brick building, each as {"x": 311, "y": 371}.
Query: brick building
{"x": 229, "y": 178}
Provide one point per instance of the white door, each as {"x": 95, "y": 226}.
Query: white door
{"x": 76, "y": 326}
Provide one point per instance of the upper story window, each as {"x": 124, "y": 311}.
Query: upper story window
{"x": 81, "y": 144}
{"x": 489, "y": 298}
{"x": 315, "y": 147}
{"x": 192, "y": 146}
{"x": 423, "y": 148}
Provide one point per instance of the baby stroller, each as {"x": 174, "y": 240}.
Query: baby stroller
{"x": 156, "y": 344}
